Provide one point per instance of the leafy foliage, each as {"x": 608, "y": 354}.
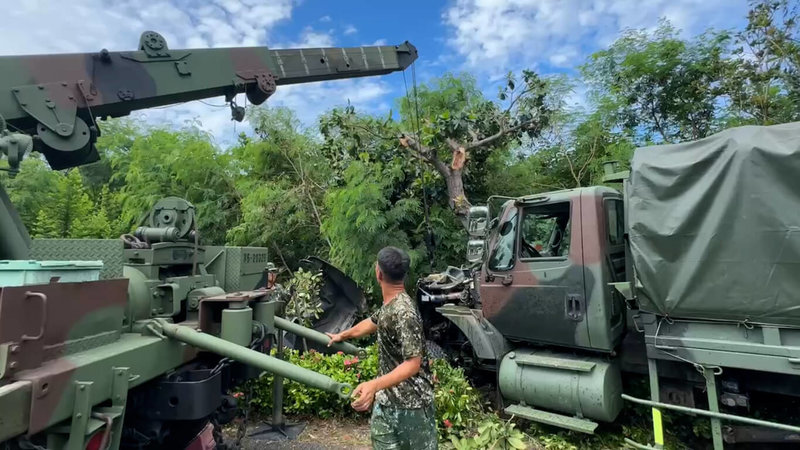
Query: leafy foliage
{"x": 762, "y": 78}
{"x": 282, "y": 177}
{"x": 304, "y": 303}
{"x": 459, "y": 409}
{"x": 181, "y": 163}
{"x": 458, "y": 404}
{"x": 660, "y": 86}
{"x": 492, "y": 433}
{"x": 70, "y": 212}
{"x": 32, "y": 190}
{"x": 304, "y": 400}
{"x": 363, "y": 219}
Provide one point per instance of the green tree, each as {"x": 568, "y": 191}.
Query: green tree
{"x": 660, "y": 87}
{"x": 362, "y": 149}
{"x": 450, "y": 119}
{"x": 71, "y": 212}
{"x": 762, "y": 79}
{"x": 182, "y": 163}
{"x": 282, "y": 177}
{"x": 33, "y": 189}
{"x": 362, "y": 219}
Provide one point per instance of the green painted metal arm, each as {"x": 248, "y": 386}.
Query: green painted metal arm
{"x": 57, "y": 97}
{"x": 716, "y": 415}
{"x": 14, "y": 239}
{"x": 316, "y": 336}
{"x": 251, "y": 357}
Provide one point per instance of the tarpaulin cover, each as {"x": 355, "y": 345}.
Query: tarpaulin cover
{"x": 714, "y": 226}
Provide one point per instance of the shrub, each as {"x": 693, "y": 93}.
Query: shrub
{"x": 493, "y": 433}
{"x": 305, "y": 400}
{"x": 458, "y": 405}
{"x": 304, "y": 304}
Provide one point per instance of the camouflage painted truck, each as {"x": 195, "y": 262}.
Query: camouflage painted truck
{"x": 689, "y": 275}
{"x": 145, "y": 356}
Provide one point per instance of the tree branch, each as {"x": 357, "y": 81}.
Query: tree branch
{"x": 503, "y": 132}
{"x": 425, "y": 153}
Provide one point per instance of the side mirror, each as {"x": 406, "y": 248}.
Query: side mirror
{"x": 478, "y": 221}
{"x": 475, "y": 250}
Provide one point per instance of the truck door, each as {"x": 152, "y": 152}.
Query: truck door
{"x": 532, "y": 286}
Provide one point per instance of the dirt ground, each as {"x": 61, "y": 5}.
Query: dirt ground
{"x": 318, "y": 434}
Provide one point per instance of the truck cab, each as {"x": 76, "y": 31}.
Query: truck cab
{"x": 550, "y": 259}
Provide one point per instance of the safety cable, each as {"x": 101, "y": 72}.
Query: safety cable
{"x": 430, "y": 242}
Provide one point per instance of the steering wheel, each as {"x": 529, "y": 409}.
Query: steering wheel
{"x": 530, "y": 249}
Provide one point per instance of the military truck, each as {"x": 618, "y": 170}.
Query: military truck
{"x": 688, "y": 274}
{"x": 143, "y": 356}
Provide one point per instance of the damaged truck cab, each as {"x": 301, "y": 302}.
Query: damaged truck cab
{"x": 686, "y": 275}
{"x": 550, "y": 263}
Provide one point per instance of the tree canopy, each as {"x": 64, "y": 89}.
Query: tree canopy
{"x": 353, "y": 182}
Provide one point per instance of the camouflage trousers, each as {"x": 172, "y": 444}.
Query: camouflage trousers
{"x": 403, "y": 429}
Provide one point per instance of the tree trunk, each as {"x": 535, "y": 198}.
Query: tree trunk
{"x": 455, "y": 192}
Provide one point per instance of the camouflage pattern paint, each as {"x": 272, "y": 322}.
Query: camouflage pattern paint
{"x": 533, "y": 305}
{"x": 79, "y": 317}
{"x": 66, "y": 348}
{"x": 58, "y": 97}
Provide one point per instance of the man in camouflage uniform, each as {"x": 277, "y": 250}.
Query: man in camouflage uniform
{"x": 402, "y": 414}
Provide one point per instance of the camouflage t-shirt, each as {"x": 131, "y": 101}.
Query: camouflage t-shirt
{"x": 400, "y": 337}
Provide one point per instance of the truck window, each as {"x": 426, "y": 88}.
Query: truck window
{"x": 502, "y": 257}
{"x": 615, "y": 221}
{"x": 545, "y": 231}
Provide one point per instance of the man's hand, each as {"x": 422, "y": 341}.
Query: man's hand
{"x": 365, "y": 395}
{"x": 335, "y": 337}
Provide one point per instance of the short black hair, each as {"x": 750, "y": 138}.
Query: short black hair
{"x": 393, "y": 263}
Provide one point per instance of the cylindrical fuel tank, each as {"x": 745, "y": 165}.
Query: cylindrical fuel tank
{"x": 582, "y": 386}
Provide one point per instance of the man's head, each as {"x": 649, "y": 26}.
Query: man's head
{"x": 392, "y": 266}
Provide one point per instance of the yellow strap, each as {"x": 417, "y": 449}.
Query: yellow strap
{"x": 658, "y": 429}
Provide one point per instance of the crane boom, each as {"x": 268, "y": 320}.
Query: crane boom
{"x": 56, "y": 98}
{"x": 50, "y": 103}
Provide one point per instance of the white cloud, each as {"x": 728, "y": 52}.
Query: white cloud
{"x": 379, "y": 42}
{"x": 311, "y": 38}
{"x": 48, "y": 26}
{"x": 311, "y": 100}
{"x": 325, "y": 19}
{"x": 350, "y": 30}
{"x": 566, "y": 57}
{"x": 499, "y": 35}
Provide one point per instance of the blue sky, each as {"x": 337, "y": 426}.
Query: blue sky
{"x": 485, "y": 37}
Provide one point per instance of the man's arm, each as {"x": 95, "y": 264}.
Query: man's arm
{"x": 363, "y": 328}
{"x": 365, "y": 392}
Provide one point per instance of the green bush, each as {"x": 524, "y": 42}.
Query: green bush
{"x": 458, "y": 405}
{"x": 492, "y": 433}
{"x": 305, "y": 400}
{"x": 304, "y": 304}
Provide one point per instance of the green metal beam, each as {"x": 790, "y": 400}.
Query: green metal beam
{"x": 548, "y": 418}
{"x": 252, "y": 358}
{"x": 713, "y": 406}
{"x": 316, "y": 336}
{"x": 719, "y": 415}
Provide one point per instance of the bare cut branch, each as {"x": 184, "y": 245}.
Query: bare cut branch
{"x": 588, "y": 160}
{"x": 503, "y": 132}
{"x": 425, "y": 153}
{"x": 572, "y": 169}
{"x": 473, "y": 134}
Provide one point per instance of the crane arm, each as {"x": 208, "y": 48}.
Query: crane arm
{"x": 56, "y": 98}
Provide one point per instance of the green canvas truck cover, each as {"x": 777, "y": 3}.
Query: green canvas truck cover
{"x": 714, "y": 226}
